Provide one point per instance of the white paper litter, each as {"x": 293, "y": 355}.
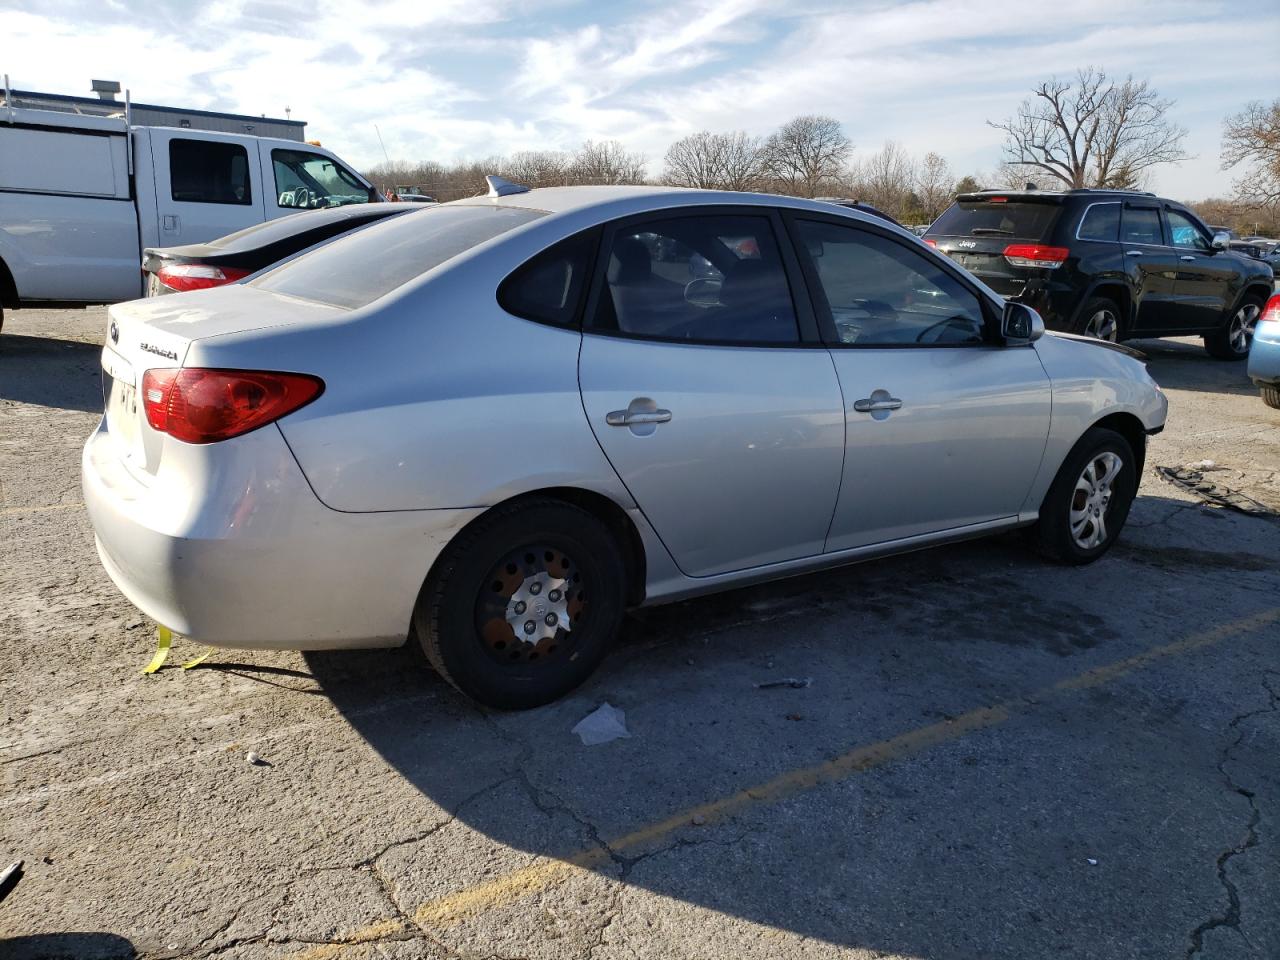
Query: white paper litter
{"x": 602, "y": 725}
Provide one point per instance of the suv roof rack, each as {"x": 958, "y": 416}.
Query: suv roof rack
{"x": 1136, "y": 193}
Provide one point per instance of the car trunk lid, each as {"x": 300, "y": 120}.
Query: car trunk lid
{"x": 977, "y": 229}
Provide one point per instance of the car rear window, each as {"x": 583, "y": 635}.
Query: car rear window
{"x": 282, "y": 228}
{"x": 1007, "y": 218}
{"x": 359, "y": 268}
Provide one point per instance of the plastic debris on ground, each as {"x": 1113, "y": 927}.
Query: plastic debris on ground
{"x": 602, "y": 725}
{"x": 795, "y": 683}
{"x": 255, "y": 760}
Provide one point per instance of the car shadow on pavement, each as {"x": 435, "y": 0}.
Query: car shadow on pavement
{"x": 1184, "y": 365}
{"x": 984, "y": 845}
{"x": 72, "y": 946}
{"x": 49, "y": 372}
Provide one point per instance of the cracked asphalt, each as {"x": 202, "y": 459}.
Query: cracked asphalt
{"x": 997, "y": 757}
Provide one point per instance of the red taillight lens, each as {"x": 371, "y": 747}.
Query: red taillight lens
{"x": 197, "y": 276}
{"x": 1035, "y": 255}
{"x": 203, "y": 406}
{"x": 1272, "y": 310}
{"x": 932, "y": 243}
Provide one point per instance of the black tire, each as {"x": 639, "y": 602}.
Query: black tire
{"x": 1112, "y": 324}
{"x": 1271, "y": 396}
{"x": 459, "y": 614}
{"x": 1053, "y": 535}
{"x": 1228, "y": 342}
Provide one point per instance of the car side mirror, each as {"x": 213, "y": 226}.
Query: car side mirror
{"x": 1020, "y": 324}
{"x": 1221, "y": 240}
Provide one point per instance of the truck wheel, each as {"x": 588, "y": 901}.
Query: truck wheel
{"x": 1231, "y": 341}
{"x": 1100, "y": 318}
{"x": 524, "y": 604}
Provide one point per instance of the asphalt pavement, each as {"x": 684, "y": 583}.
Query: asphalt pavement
{"x": 995, "y": 757}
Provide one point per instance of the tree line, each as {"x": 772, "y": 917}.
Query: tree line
{"x": 1090, "y": 130}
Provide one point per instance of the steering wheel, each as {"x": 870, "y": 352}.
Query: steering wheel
{"x": 957, "y": 322}
{"x": 301, "y": 197}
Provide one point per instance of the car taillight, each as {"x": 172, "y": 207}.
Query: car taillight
{"x": 197, "y": 276}
{"x": 198, "y": 405}
{"x": 1035, "y": 255}
{"x": 931, "y": 242}
{"x": 1272, "y": 310}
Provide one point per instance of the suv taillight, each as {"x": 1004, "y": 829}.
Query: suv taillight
{"x": 1272, "y": 310}
{"x": 1035, "y": 255}
{"x": 197, "y": 276}
{"x": 198, "y": 405}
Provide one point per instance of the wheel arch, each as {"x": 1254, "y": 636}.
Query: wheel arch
{"x": 1112, "y": 289}
{"x": 604, "y": 509}
{"x": 8, "y": 287}
{"x": 1129, "y": 426}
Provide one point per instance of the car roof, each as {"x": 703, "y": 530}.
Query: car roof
{"x": 618, "y": 201}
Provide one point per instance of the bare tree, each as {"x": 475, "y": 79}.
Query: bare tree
{"x": 538, "y": 168}
{"x": 1252, "y": 137}
{"x": 886, "y": 180}
{"x": 807, "y": 155}
{"x": 606, "y": 161}
{"x": 1093, "y": 131}
{"x": 715, "y": 161}
{"x": 935, "y": 186}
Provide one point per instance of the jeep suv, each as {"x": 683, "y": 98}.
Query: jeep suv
{"x": 1111, "y": 264}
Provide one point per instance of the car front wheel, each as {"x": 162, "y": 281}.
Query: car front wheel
{"x": 1089, "y": 500}
{"x": 1231, "y": 342}
{"x": 524, "y": 604}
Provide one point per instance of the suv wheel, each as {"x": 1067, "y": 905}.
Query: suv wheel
{"x": 1089, "y": 500}
{"x": 1231, "y": 342}
{"x": 524, "y": 605}
{"x": 1100, "y": 318}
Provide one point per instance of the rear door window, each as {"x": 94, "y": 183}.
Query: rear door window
{"x": 1142, "y": 225}
{"x": 359, "y": 268}
{"x": 207, "y": 171}
{"x": 1100, "y": 222}
{"x": 997, "y": 217}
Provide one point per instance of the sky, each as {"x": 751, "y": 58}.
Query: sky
{"x": 467, "y": 79}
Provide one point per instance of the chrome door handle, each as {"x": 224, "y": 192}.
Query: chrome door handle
{"x": 629, "y": 418}
{"x": 1133, "y": 253}
{"x": 869, "y": 406}
{"x": 1187, "y": 258}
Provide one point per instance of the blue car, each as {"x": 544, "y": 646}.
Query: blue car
{"x": 1264, "y": 354}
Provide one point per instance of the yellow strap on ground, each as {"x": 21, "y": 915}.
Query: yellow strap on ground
{"x": 198, "y": 660}
{"x": 164, "y": 639}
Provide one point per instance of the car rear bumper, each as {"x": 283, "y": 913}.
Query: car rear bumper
{"x": 1264, "y": 353}
{"x": 244, "y": 555}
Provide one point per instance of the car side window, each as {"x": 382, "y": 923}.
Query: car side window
{"x": 1142, "y": 225}
{"x": 1185, "y": 233}
{"x": 882, "y": 293}
{"x": 208, "y": 171}
{"x": 305, "y": 181}
{"x": 702, "y": 279}
{"x": 549, "y": 288}
{"x": 1100, "y": 222}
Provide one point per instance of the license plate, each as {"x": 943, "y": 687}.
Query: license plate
{"x": 153, "y": 285}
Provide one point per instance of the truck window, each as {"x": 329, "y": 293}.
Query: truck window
{"x": 305, "y": 181}
{"x": 207, "y": 171}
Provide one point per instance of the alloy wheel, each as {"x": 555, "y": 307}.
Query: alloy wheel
{"x": 1091, "y": 500}
{"x": 1103, "y": 325}
{"x": 1240, "y": 332}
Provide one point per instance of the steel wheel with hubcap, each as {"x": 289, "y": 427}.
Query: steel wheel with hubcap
{"x": 1089, "y": 500}
{"x": 1233, "y": 340}
{"x": 524, "y": 604}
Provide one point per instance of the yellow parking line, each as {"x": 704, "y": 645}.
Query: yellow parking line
{"x": 538, "y": 877}
{"x": 53, "y": 506}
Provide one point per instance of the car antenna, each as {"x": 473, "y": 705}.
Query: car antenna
{"x": 499, "y": 187}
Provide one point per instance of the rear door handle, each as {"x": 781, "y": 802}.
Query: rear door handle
{"x": 1191, "y": 259}
{"x": 870, "y": 406}
{"x": 629, "y": 418}
{"x": 1133, "y": 253}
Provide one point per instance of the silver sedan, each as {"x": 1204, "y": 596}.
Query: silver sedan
{"x": 499, "y": 423}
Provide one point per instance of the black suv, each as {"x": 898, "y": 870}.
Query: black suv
{"x": 1108, "y": 263}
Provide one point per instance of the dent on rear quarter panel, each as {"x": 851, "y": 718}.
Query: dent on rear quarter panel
{"x": 1089, "y": 383}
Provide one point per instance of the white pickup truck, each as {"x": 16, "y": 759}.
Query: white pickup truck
{"x": 81, "y": 196}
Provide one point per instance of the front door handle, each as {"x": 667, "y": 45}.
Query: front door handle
{"x": 1192, "y": 259}
{"x": 627, "y": 418}
{"x": 871, "y": 406}
{"x": 1133, "y": 253}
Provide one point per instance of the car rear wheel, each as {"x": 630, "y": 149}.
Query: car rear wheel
{"x": 523, "y": 606}
{"x": 1100, "y": 318}
{"x": 1232, "y": 341}
{"x": 1089, "y": 500}
{"x": 1271, "y": 396}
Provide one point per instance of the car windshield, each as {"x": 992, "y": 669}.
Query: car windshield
{"x": 997, "y": 218}
{"x": 363, "y": 266}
